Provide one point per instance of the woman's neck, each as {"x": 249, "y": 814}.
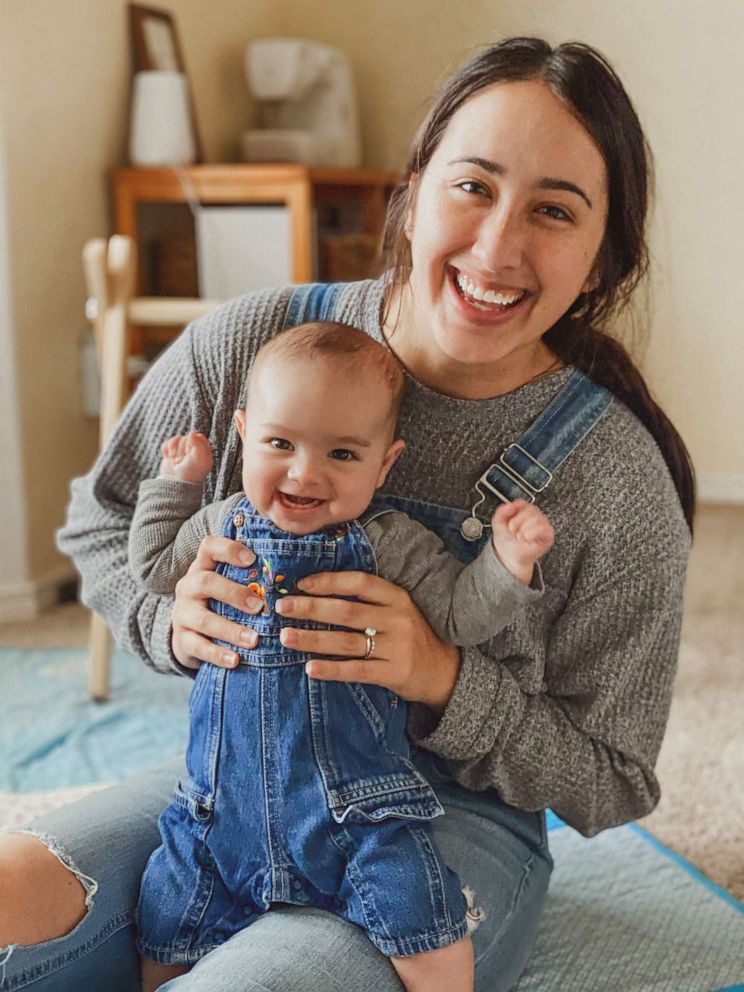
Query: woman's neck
{"x": 462, "y": 380}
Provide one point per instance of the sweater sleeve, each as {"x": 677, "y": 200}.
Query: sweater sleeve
{"x": 464, "y": 604}
{"x": 168, "y": 526}
{"x": 168, "y": 401}
{"x": 585, "y": 742}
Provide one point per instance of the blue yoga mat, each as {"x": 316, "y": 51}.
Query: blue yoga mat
{"x": 624, "y": 914}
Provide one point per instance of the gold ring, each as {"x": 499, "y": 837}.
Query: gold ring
{"x": 370, "y": 633}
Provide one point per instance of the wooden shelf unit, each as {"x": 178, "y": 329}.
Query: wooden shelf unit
{"x": 300, "y": 188}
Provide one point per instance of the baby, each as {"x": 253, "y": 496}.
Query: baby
{"x": 302, "y": 790}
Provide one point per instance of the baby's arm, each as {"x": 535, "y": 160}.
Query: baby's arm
{"x": 465, "y": 604}
{"x": 521, "y": 534}
{"x": 168, "y": 524}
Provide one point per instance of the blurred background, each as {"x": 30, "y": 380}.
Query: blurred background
{"x": 65, "y": 82}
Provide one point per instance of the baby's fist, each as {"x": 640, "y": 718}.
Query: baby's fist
{"x": 186, "y": 457}
{"x": 521, "y": 534}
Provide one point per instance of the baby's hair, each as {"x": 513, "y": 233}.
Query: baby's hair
{"x": 329, "y": 341}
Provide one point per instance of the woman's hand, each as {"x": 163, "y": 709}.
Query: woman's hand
{"x": 408, "y": 657}
{"x": 194, "y": 624}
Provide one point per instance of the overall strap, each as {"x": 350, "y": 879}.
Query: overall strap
{"x": 312, "y": 301}
{"x": 526, "y": 467}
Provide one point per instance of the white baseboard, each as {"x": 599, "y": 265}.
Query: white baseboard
{"x": 25, "y": 600}
{"x": 721, "y": 487}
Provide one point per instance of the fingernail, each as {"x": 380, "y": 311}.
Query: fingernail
{"x": 309, "y": 669}
{"x": 246, "y": 556}
{"x": 305, "y": 584}
{"x": 286, "y": 636}
{"x": 283, "y": 606}
{"x": 248, "y": 637}
{"x": 230, "y": 659}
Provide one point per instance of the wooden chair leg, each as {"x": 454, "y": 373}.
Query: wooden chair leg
{"x": 99, "y": 667}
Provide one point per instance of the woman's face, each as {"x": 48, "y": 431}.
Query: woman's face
{"x": 506, "y": 222}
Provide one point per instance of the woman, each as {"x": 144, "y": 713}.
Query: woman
{"x": 518, "y": 235}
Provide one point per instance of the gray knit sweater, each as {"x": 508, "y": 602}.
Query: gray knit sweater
{"x": 567, "y": 707}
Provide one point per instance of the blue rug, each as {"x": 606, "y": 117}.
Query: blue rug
{"x": 624, "y": 914}
{"x": 53, "y": 736}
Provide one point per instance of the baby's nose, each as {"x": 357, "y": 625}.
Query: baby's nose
{"x": 305, "y": 470}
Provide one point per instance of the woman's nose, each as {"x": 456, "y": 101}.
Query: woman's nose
{"x": 500, "y": 240}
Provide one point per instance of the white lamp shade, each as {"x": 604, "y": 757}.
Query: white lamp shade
{"x": 161, "y": 132}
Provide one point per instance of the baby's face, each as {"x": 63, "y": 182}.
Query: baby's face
{"x": 316, "y": 443}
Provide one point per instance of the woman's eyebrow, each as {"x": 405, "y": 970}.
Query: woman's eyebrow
{"x": 547, "y": 183}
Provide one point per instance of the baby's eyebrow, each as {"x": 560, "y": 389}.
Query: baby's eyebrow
{"x": 360, "y": 442}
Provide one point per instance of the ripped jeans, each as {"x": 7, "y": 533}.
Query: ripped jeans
{"x": 499, "y": 853}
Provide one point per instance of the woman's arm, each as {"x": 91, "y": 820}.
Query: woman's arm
{"x": 95, "y": 535}
{"x": 583, "y": 743}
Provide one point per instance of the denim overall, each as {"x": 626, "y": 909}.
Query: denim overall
{"x": 307, "y": 792}
{"x": 299, "y": 790}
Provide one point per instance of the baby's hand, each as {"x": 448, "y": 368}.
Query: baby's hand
{"x": 521, "y": 534}
{"x": 186, "y": 457}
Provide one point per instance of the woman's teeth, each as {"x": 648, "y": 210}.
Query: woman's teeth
{"x": 480, "y": 295}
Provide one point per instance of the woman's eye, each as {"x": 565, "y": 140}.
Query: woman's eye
{"x": 555, "y": 213}
{"x": 280, "y": 443}
{"x": 343, "y": 455}
{"x": 471, "y": 186}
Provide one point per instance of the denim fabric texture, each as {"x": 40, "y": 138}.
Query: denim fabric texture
{"x": 298, "y": 790}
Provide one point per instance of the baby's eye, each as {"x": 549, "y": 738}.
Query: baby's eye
{"x": 343, "y": 455}
{"x": 281, "y": 443}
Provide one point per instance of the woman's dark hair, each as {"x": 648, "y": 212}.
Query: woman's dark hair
{"x": 587, "y": 85}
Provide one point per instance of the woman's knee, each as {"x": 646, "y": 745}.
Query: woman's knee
{"x": 40, "y": 897}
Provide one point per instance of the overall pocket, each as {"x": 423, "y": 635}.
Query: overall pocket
{"x": 205, "y": 733}
{"x": 363, "y": 756}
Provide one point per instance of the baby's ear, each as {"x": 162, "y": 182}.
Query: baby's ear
{"x": 392, "y": 454}
{"x": 239, "y": 418}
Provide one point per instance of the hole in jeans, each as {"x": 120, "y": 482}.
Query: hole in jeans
{"x": 89, "y": 885}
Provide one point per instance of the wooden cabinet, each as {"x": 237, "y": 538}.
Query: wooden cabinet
{"x": 306, "y": 192}
{"x": 336, "y": 220}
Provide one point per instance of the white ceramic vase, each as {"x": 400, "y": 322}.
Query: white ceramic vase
{"x": 161, "y": 131}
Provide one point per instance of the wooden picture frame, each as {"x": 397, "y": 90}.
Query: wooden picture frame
{"x": 155, "y": 47}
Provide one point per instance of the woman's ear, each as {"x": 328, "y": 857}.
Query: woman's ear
{"x": 412, "y": 190}
{"x": 392, "y": 454}
{"x": 239, "y": 418}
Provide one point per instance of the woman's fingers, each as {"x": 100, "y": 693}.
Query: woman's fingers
{"x": 194, "y": 624}
{"x": 352, "y": 644}
{"x": 370, "y": 588}
{"x": 213, "y": 550}
{"x": 368, "y": 672}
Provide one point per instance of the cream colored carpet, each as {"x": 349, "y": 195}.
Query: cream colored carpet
{"x": 701, "y": 766}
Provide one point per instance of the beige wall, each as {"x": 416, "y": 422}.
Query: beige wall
{"x": 64, "y": 92}
{"x": 64, "y": 89}
{"x": 681, "y": 61}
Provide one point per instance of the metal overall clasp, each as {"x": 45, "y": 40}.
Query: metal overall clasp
{"x": 472, "y": 527}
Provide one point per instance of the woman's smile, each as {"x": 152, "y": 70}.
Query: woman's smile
{"x": 480, "y": 302}
{"x": 505, "y": 224}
